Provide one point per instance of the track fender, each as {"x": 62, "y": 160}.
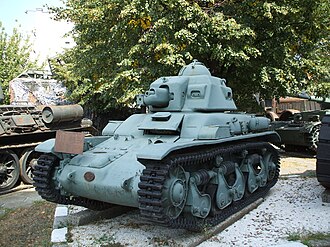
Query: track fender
{"x": 159, "y": 151}
{"x": 46, "y": 147}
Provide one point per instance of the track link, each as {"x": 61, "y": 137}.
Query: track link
{"x": 155, "y": 174}
{"x": 46, "y": 187}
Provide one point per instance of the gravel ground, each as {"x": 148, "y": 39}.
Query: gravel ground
{"x": 293, "y": 206}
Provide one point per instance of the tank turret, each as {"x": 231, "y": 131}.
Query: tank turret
{"x": 194, "y": 89}
{"x": 189, "y": 162}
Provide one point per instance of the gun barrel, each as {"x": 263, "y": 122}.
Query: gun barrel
{"x": 314, "y": 98}
{"x": 320, "y": 99}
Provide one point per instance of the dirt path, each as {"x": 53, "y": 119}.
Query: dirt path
{"x": 295, "y": 163}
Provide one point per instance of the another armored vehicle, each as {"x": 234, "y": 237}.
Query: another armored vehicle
{"x": 299, "y": 131}
{"x": 22, "y": 127}
{"x": 188, "y": 163}
{"x": 323, "y": 153}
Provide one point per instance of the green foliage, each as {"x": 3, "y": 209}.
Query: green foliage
{"x": 291, "y": 39}
{"x": 15, "y": 57}
{"x": 271, "y": 47}
{"x": 308, "y": 238}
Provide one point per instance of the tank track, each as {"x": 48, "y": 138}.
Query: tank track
{"x": 44, "y": 184}
{"x": 154, "y": 177}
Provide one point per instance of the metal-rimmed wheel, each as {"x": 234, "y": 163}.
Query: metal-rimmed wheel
{"x": 27, "y": 163}
{"x": 3, "y": 173}
{"x": 9, "y": 166}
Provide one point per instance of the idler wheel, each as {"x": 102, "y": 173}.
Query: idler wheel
{"x": 270, "y": 163}
{"x": 175, "y": 192}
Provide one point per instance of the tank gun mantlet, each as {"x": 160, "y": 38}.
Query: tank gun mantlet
{"x": 194, "y": 89}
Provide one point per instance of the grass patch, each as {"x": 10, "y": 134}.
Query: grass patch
{"x": 308, "y": 238}
{"x": 28, "y": 226}
{"x": 107, "y": 241}
{"x": 306, "y": 174}
{"x": 69, "y": 235}
{"x": 4, "y": 212}
{"x": 160, "y": 241}
{"x": 309, "y": 174}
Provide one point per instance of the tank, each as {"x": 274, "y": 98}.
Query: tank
{"x": 299, "y": 130}
{"x": 22, "y": 127}
{"x": 323, "y": 155}
{"x": 191, "y": 161}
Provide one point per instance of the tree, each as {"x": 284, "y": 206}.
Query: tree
{"x": 269, "y": 47}
{"x": 292, "y": 39}
{"x": 15, "y": 57}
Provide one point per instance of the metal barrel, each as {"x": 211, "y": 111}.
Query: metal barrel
{"x": 62, "y": 113}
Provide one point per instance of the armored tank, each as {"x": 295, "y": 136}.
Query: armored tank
{"x": 299, "y": 131}
{"x": 189, "y": 162}
{"x": 323, "y": 154}
{"x": 22, "y": 127}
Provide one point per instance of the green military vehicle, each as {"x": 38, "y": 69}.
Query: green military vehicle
{"x": 299, "y": 131}
{"x": 22, "y": 127}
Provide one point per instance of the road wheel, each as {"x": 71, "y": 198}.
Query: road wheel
{"x": 9, "y": 165}
{"x": 27, "y": 163}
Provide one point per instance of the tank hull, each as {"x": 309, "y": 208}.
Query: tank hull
{"x": 116, "y": 171}
{"x": 301, "y": 135}
{"x": 116, "y": 178}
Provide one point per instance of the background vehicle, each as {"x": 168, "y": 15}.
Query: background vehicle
{"x": 188, "y": 163}
{"x": 323, "y": 153}
{"x": 299, "y": 130}
{"x": 23, "y": 126}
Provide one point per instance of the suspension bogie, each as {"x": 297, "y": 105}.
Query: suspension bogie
{"x": 203, "y": 194}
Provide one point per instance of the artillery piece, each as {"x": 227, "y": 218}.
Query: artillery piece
{"x": 300, "y": 130}
{"x": 22, "y": 127}
{"x": 187, "y": 163}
